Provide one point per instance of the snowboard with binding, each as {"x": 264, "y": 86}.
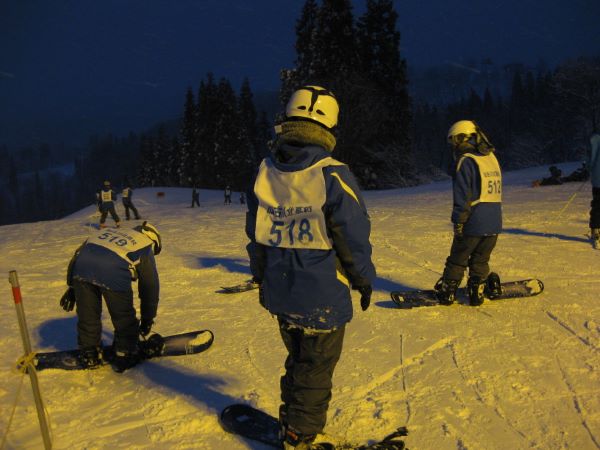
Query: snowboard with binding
{"x": 254, "y": 424}
{"x": 511, "y": 289}
{"x": 243, "y": 287}
{"x": 155, "y": 346}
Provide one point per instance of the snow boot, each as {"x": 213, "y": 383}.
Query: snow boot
{"x": 595, "y": 235}
{"x": 445, "y": 291}
{"x": 124, "y": 360}
{"x": 493, "y": 287}
{"x": 476, "y": 287}
{"x": 90, "y": 357}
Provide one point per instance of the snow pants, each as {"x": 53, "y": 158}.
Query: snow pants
{"x": 88, "y": 299}
{"x": 128, "y": 204}
{"x": 470, "y": 251}
{"x": 595, "y": 208}
{"x": 306, "y": 385}
{"x": 106, "y": 208}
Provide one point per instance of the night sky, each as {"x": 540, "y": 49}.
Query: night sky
{"x": 69, "y": 68}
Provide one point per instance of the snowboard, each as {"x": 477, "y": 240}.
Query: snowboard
{"x": 251, "y": 423}
{"x": 155, "y": 346}
{"x": 511, "y": 289}
{"x": 243, "y": 287}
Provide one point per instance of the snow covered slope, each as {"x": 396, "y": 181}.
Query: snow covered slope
{"x": 514, "y": 374}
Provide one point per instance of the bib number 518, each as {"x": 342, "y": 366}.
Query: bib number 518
{"x": 280, "y": 228}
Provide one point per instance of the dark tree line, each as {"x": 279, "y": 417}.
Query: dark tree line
{"x": 547, "y": 117}
{"x": 220, "y": 141}
{"x": 50, "y": 182}
{"x": 359, "y": 60}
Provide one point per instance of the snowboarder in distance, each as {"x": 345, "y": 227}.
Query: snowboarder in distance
{"x": 555, "y": 178}
{"x": 309, "y": 245}
{"x": 126, "y": 196}
{"x": 195, "y": 197}
{"x": 594, "y": 165}
{"x": 242, "y": 198}
{"x": 227, "y": 195}
{"x": 105, "y": 265}
{"x": 107, "y": 204}
{"x": 476, "y": 214}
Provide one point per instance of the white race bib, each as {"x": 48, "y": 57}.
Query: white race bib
{"x": 290, "y": 206}
{"x": 491, "y": 177}
{"x": 121, "y": 242}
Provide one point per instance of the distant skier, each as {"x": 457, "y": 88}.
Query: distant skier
{"x": 227, "y": 195}
{"x": 126, "y": 198}
{"x": 105, "y": 266}
{"x": 195, "y": 197}
{"x": 242, "y": 198}
{"x": 107, "y": 204}
{"x": 309, "y": 243}
{"x": 555, "y": 178}
{"x": 476, "y": 214}
{"x": 594, "y": 165}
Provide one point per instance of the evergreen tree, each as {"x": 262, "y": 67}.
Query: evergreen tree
{"x": 247, "y": 113}
{"x": 184, "y": 159}
{"x": 306, "y": 40}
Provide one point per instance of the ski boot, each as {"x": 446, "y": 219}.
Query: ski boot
{"x": 124, "y": 360}
{"x": 90, "y": 357}
{"x": 445, "y": 291}
{"x": 476, "y": 287}
{"x": 595, "y": 236}
{"x": 493, "y": 287}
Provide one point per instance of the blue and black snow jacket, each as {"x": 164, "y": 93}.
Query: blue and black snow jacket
{"x": 479, "y": 218}
{"x": 108, "y": 269}
{"x": 311, "y": 287}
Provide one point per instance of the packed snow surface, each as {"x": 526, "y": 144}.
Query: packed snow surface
{"x": 511, "y": 374}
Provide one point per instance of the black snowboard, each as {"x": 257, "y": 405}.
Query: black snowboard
{"x": 511, "y": 289}
{"x": 251, "y": 423}
{"x": 174, "y": 345}
{"x": 243, "y": 287}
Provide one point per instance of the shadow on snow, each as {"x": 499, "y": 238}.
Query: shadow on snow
{"x": 563, "y": 237}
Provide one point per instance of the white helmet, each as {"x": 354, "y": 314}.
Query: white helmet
{"x": 314, "y": 103}
{"x": 151, "y": 233}
{"x": 464, "y": 130}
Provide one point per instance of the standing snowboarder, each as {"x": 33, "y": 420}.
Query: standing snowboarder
{"x": 594, "y": 166}
{"x": 195, "y": 197}
{"x": 476, "y": 213}
{"x": 309, "y": 245}
{"x": 105, "y": 266}
{"x": 126, "y": 196}
{"x": 107, "y": 204}
{"x": 227, "y": 195}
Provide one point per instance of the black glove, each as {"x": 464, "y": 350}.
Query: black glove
{"x": 67, "y": 301}
{"x": 146, "y": 326}
{"x": 458, "y": 230}
{"x": 365, "y": 296}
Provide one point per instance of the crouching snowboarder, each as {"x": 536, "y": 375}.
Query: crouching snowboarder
{"x": 309, "y": 244}
{"x": 105, "y": 266}
{"x": 476, "y": 214}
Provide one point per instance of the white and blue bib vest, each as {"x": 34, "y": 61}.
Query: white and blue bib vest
{"x": 290, "y": 206}
{"x": 491, "y": 178}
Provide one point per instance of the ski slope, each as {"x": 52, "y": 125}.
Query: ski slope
{"x": 514, "y": 374}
